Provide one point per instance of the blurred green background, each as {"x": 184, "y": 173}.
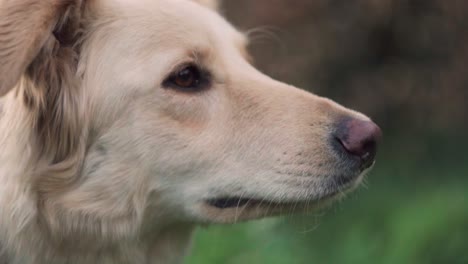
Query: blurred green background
{"x": 404, "y": 63}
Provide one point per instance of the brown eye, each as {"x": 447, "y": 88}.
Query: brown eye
{"x": 187, "y": 78}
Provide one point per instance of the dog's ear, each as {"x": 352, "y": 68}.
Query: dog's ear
{"x": 38, "y": 47}
{"x": 25, "y": 27}
{"x": 213, "y": 4}
{"x": 39, "y": 54}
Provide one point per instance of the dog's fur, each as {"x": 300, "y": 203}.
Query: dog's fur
{"x": 100, "y": 163}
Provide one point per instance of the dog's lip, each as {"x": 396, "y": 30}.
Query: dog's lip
{"x": 237, "y": 202}
{"x": 233, "y": 202}
{"x": 339, "y": 185}
{"x": 229, "y": 202}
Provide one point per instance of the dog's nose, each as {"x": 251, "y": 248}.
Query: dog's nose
{"x": 359, "y": 138}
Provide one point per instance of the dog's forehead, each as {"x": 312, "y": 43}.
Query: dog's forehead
{"x": 172, "y": 21}
{"x": 154, "y": 36}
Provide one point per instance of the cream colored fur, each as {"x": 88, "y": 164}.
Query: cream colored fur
{"x": 101, "y": 164}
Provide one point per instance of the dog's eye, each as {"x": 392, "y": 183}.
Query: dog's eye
{"x": 188, "y": 78}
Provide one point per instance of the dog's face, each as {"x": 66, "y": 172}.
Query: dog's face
{"x": 177, "y": 123}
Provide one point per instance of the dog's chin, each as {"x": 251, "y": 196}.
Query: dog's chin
{"x": 233, "y": 209}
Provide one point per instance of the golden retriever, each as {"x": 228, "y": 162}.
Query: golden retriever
{"x": 126, "y": 123}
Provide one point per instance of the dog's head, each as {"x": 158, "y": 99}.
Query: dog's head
{"x": 150, "y": 109}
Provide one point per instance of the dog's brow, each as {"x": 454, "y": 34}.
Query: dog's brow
{"x": 199, "y": 54}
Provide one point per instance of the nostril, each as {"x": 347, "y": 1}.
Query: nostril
{"x": 369, "y": 147}
{"x": 369, "y": 151}
{"x": 359, "y": 138}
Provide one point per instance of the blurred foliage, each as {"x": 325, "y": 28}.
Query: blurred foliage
{"x": 403, "y": 62}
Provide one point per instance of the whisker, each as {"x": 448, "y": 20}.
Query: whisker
{"x": 365, "y": 184}
{"x": 310, "y": 230}
{"x": 236, "y": 218}
{"x": 266, "y": 34}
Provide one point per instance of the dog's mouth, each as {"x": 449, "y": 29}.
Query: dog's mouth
{"x": 234, "y": 209}
{"x": 232, "y": 202}
{"x": 238, "y": 202}
{"x": 339, "y": 185}
{"x": 226, "y": 208}
{"x": 224, "y": 203}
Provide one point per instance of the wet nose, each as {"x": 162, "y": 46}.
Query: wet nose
{"x": 359, "y": 138}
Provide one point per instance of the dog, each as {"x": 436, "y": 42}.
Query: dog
{"x": 124, "y": 124}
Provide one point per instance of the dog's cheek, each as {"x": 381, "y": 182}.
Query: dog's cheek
{"x": 107, "y": 203}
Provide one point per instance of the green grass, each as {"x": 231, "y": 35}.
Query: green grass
{"x": 414, "y": 211}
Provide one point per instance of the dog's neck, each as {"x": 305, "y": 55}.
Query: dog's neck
{"x": 17, "y": 210}
{"x": 24, "y": 239}
{"x": 15, "y": 128}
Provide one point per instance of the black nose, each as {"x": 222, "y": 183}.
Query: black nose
{"x": 359, "y": 138}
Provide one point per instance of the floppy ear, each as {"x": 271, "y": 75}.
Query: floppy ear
{"x": 25, "y": 27}
{"x": 39, "y": 54}
{"x": 213, "y": 4}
